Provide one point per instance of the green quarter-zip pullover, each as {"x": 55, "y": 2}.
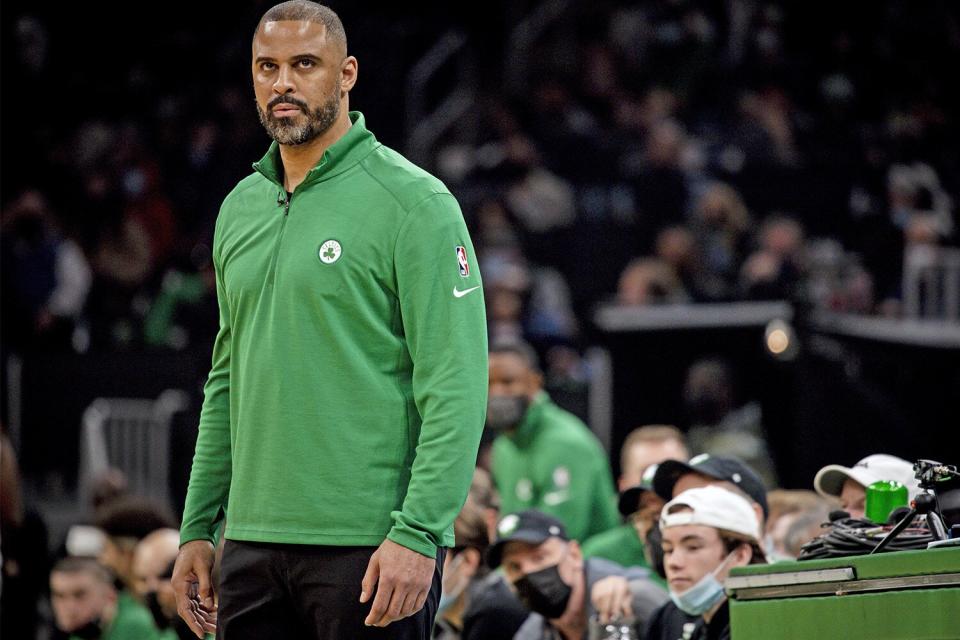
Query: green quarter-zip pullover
{"x": 552, "y": 462}
{"x": 348, "y": 386}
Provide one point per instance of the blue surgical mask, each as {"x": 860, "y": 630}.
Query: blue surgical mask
{"x": 702, "y": 596}
{"x": 449, "y": 597}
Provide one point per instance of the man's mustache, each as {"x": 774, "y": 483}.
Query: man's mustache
{"x": 285, "y": 100}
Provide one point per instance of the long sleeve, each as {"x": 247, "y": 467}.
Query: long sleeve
{"x": 210, "y": 475}
{"x": 444, "y": 322}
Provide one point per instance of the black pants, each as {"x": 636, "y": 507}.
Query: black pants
{"x": 306, "y": 592}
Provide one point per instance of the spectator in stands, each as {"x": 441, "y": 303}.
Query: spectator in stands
{"x": 661, "y": 183}
{"x": 553, "y": 580}
{"x": 643, "y": 448}
{"x": 45, "y": 275}
{"x": 475, "y": 603}
{"x": 85, "y": 604}
{"x": 125, "y": 522}
{"x": 153, "y": 560}
{"x": 544, "y": 457}
{"x": 781, "y": 540}
{"x": 613, "y": 596}
{"x": 673, "y": 477}
{"x": 648, "y": 281}
{"x": 775, "y": 271}
{"x": 849, "y": 484}
{"x": 706, "y": 532}
{"x": 721, "y": 225}
{"x": 83, "y": 538}
{"x": 804, "y": 527}
{"x": 677, "y": 246}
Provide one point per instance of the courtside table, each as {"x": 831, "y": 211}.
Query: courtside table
{"x": 907, "y": 595}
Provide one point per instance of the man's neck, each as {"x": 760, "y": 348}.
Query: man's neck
{"x": 708, "y": 616}
{"x": 298, "y": 159}
{"x": 108, "y": 614}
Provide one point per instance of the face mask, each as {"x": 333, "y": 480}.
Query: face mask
{"x": 544, "y": 592}
{"x": 90, "y": 631}
{"x": 655, "y": 548}
{"x": 702, "y": 596}
{"x": 505, "y": 412}
{"x": 159, "y": 617}
{"x": 452, "y": 594}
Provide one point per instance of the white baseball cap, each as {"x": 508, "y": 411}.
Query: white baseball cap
{"x": 829, "y": 480}
{"x": 712, "y": 506}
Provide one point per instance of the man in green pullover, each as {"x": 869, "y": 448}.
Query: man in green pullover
{"x": 346, "y": 397}
{"x": 545, "y": 458}
{"x": 643, "y": 449}
{"x": 86, "y": 604}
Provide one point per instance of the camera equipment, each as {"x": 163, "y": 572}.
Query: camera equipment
{"x": 941, "y": 506}
{"x": 848, "y": 536}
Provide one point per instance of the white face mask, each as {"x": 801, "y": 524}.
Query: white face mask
{"x": 453, "y": 585}
{"x": 702, "y": 596}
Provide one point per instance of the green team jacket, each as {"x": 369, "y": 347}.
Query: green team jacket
{"x": 132, "y": 621}
{"x": 552, "y": 462}
{"x": 348, "y": 387}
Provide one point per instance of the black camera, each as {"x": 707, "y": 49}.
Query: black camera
{"x": 944, "y": 481}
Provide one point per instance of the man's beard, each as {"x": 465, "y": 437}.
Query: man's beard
{"x": 289, "y": 131}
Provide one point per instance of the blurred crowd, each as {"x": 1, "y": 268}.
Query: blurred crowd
{"x": 648, "y": 153}
{"x": 547, "y": 545}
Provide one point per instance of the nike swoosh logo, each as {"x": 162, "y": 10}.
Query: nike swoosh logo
{"x": 459, "y": 294}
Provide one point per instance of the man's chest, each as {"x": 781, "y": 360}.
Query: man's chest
{"x": 307, "y": 252}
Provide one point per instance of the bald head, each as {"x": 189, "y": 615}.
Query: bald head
{"x": 151, "y": 558}
{"x": 306, "y": 11}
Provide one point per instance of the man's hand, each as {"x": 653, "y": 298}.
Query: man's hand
{"x": 402, "y": 578}
{"x": 611, "y": 598}
{"x": 191, "y": 585}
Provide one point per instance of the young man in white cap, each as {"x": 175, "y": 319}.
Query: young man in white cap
{"x": 850, "y": 483}
{"x": 706, "y": 532}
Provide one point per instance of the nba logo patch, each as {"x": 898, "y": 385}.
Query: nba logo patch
{"x": 462, "y": 261}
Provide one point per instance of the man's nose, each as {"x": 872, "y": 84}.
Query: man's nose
{"x": 284, "y": 82}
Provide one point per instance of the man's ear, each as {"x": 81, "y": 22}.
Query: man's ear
{"x": 472, "y": 559}
{"x": 348, "y": 74}
{"x": 576, "y": 552}
{"x": 534, "y": 384}
{"x": 742, "y": 555}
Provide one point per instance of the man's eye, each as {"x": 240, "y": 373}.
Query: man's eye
{"x": 305, "y": 63}
{"x": 267, "y": 66}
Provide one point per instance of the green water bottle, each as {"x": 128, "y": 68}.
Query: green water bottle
{"x": 883, "y": 496}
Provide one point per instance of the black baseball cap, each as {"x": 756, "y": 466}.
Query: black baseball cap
{"x": 530, "y": 526}
{"x": 717, "y": 467}
{"x": 630, "y": 497}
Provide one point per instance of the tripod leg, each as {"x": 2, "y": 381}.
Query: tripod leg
{"x": 936, "y": 526}
{"x": 887, "y": 539}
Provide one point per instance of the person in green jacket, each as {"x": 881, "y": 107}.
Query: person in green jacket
{"x": 642, "y": 450}
{"x": 346, "y": 398}
{"x": 86, "y": 604}
{"x": 543, "y": 457}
